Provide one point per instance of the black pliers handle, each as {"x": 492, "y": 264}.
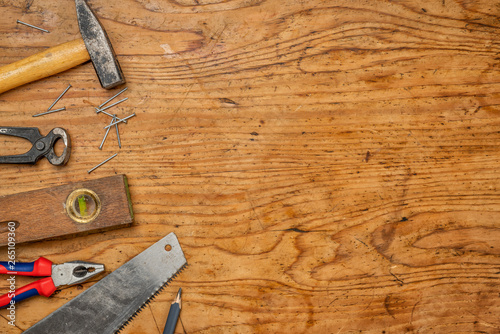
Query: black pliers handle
{"x": 42, "y": 146}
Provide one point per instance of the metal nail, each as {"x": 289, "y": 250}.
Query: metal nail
{"x": 69, "y": 86}
{"x": 32, "y": 26}
{"x": 50, "y": 112}
{"x": 111, "y": 98}
{"x": 112, "y": 105}
{"x": 117, "y": 133}
{"x": 102, "y": 163}
{"x": 111, "y": 115}
{"x": 106, "y": 135}
{"x": 119, "y": 121}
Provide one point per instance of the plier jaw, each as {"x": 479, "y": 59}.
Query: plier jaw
{"x": 74, "y": 272}
{"x": 62, "y": 274}
{"x": 43, "y": 146}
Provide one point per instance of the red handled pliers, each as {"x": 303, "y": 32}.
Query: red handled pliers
{"x": 68, "y": 273}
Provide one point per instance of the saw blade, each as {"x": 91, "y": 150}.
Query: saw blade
{"x": 109, "y": 304}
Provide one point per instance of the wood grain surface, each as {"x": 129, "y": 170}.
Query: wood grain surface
{"x": 328, "y": 166}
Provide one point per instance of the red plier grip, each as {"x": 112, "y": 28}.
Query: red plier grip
{"x": 43, "y": 287}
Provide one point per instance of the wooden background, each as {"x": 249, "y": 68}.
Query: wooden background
{"x": 328, "y": 166}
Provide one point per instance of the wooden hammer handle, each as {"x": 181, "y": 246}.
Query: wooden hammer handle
{"x": 41, "y": 65}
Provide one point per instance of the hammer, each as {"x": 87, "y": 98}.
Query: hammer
{"x": 94, "y": 45}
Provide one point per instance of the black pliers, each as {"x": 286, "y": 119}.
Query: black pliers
{"x": 42, "y": 146}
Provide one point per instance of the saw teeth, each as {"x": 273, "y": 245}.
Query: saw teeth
{"x": 148, "y": 301}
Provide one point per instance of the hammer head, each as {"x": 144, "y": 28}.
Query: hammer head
{"x": 99, "y": 47}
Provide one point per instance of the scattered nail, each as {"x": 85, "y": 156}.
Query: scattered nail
{"x": 112, "y": 105}
{"x": 111, "y": 115}
{"x": 111, "y": 98}
{"x": 106, "y": 135}
{"x": 50, "y": 112}
{"x": 32, "y": 26}
{"x": 69, "y": 86}
{"x": 102, "y": 163}
{"x": 119, "y": 121}
{"x": 117, "y": 133}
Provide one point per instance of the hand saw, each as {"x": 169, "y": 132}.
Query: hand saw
{"x": 110, "y": 304}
